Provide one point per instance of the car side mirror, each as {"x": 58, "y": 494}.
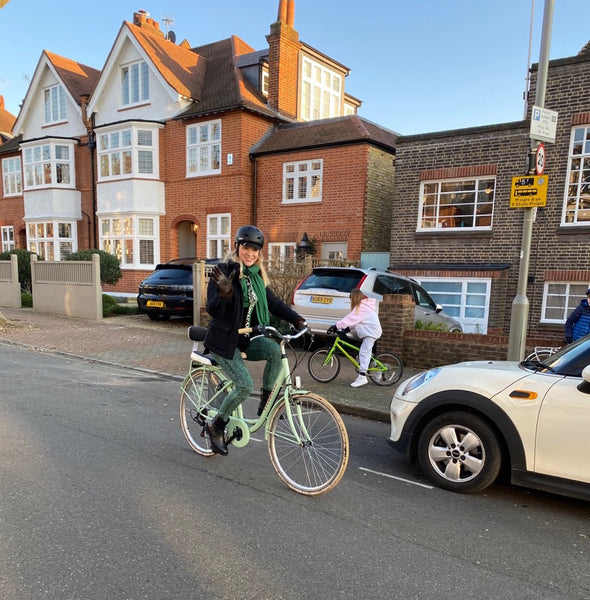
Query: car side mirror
{"x": 438, "y": 308}
{"x": 584, "y": 387}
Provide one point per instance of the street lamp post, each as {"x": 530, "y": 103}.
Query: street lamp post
{"x": 520, "y": 304}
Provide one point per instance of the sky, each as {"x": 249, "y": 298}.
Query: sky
{"x": 418, "y": 66}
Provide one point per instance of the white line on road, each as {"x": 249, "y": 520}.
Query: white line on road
{"x": 428, "y": 487}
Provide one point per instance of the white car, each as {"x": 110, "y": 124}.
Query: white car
{"x": 466, "y": 421}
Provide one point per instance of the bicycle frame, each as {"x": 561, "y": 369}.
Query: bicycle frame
{"x": 341, "y": 345}
{"x": 247, "y": 426}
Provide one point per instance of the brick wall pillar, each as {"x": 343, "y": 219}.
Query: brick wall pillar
{"x": 396, "y": 313}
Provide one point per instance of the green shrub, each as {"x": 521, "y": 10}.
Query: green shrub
{"x": 26, "y": 299}
{"x": 24, "y": 266}
{"x": 422, "y": 325}
{"x": 110, "y": 267}
{"x": 111, "y": 307}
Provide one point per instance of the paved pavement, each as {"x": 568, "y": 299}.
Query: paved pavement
{"x": 163, "y": 348}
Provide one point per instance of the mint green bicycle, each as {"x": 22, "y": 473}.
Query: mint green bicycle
{"x": 307, "y": 439}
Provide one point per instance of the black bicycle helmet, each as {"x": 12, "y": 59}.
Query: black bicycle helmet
{"x": 248, "y": 235}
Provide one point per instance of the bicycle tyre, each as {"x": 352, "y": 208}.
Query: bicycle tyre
{"x": 317, "y": 464}
{"x": 395, "y": 369}
{"x": 197, "y": 400}
{"x": 323, "y": 371}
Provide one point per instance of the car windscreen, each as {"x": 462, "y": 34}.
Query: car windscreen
{"x": 171, "y": 276}
{"x": 571, "y": 359}
{"x": 341, "y": 281}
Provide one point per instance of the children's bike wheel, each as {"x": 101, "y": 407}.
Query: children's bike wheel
{"x": 310, "y": 457}
{"x": 393, "y": 372}
{"x": 198, "y": 396}
{"x": 322, "y": 368}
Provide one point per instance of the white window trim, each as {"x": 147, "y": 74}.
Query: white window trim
{"x": 296, "y": 174}
{"x": 469, "y": 324}
{"x": 280, "y": 254}
{"x": 571, "y": 299}
{"x": 7, "y": 238}
{"x": 220, "y": 237}
{"x": 38, "y": 166}
{"x": 143, "y": 85}
{"x": 105, "y": 149}
{"x": 582, "y": 184}
{"x": 53, "y": 105}
{"x": 135, "y": 236}
{"x": 12, "y": 176}
{"x": 210, "y": 146}
{"x": 34, "y": 241}
{"x": 314, "y": 94}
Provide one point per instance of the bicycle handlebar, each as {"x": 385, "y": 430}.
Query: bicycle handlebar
{"x": 260, "y": 330}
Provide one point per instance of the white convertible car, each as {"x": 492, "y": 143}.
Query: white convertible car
{"x": 464, "y": 422}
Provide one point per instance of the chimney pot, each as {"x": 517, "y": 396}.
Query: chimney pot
{"x": 282, "y": 15}
{"x": 290, "y": 13}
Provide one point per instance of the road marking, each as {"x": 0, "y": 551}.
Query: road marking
{"x": 428, "y": 487}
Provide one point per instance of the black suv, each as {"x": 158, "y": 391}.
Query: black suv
{"x": 168, "y": 291}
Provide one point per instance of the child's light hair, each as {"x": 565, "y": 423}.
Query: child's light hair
{"x": 356, "y": 297}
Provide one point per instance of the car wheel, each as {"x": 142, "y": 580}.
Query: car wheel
{"x": 158, "y": 316}
{"x": 459, "y": 452}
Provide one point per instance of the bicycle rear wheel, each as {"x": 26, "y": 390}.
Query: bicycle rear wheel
{"x": 311, "y": 458}
{"x": 394, "y": 369}
{"x": 200, "y": 392}
{"x": 321, "y": 368}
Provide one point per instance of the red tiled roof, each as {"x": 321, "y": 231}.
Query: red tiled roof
{"x": 183, "y": 69}
{"x": 7, "y": 119}
{"x": 79, "y": 79}
{"x": 327, "y": 132}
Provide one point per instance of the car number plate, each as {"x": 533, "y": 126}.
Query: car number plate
{"x": 321, "y": 300}
{"x": 155, "y": 304}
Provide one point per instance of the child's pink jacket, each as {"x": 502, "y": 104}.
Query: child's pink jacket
{"x": 363, "y": 319}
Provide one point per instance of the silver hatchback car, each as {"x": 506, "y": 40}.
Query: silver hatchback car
{"x": 322, "y": 298}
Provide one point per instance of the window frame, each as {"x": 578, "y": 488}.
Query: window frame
{"x": 7, "y": 240}
{"x": 42, "y": 167}
{"x": 318, "y": 98}
{"x": 44, "y": 237}
{"x": 120, "y": 149}
{"x": 219, "y": 235}
{"x": 296, "y": 177}
{"x": 54, "y": 104}
{"x": 280, "y": 254}
{"x": 577, "y": 192}
{"x": 445, "y": 222}
{"x": 12, "y": 176}
{"x": 129, "y": 243}
{"x": 207, "y": 150}
{"x": 573, "y": 292}
{"x": 135, "y": 83}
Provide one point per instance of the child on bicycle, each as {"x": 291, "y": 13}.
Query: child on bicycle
{"x": 365, "y": 322}
{"x": 238, "y": 296}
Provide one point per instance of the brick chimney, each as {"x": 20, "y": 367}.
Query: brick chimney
{"x": 283, "y": 61}
{"x": 1, "y": 102}
{"x": 142, "y": 19}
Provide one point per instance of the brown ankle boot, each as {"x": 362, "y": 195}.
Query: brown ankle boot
{"x": 216, "y": 431}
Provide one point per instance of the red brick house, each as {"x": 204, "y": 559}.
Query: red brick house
{"x": 169, "y": 148}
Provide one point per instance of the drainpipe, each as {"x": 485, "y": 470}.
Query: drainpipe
{"x": 254, "y": 196}
{"x": 89, "y": 123}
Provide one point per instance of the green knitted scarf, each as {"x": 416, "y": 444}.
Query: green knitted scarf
{"x": 253, "y": 273}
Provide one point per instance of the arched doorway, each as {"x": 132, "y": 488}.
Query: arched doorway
{"x": 187, "y": 239}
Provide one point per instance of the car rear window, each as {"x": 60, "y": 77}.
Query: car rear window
{"x": 177, "y": 276}
{"x": 341, "y": 281}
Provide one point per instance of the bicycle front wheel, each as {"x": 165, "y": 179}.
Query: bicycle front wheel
{"x": 322, "y": 368}
{"x": 393, "y": 369}
{"x": 200, "y": 392}
{"x": 311, "y": 456}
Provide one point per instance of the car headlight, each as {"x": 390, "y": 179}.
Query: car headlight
{"x": 418, "y": 380}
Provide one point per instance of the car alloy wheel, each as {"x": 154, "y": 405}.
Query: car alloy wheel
{"x": 459, "y": 451}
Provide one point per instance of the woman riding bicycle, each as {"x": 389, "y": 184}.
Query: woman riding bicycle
{"x": 238, "y": 296}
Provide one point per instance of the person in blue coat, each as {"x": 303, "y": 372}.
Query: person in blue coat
{"x": 577, "y": 324}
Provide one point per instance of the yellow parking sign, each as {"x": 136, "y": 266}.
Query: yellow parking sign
{"x": 529, "y": 191}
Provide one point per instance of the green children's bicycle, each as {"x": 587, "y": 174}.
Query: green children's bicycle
{"x": 324, "y": 364}
{"x": 307, "y": 439}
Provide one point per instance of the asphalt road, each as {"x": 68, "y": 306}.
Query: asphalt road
{"x": 102, "y": 498}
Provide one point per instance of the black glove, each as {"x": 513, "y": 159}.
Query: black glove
{"x": 300, "y": 324}
{"x": 224, "y": 284}
{"x": 332, "y": 329}
{"x": 568, "y": 340}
